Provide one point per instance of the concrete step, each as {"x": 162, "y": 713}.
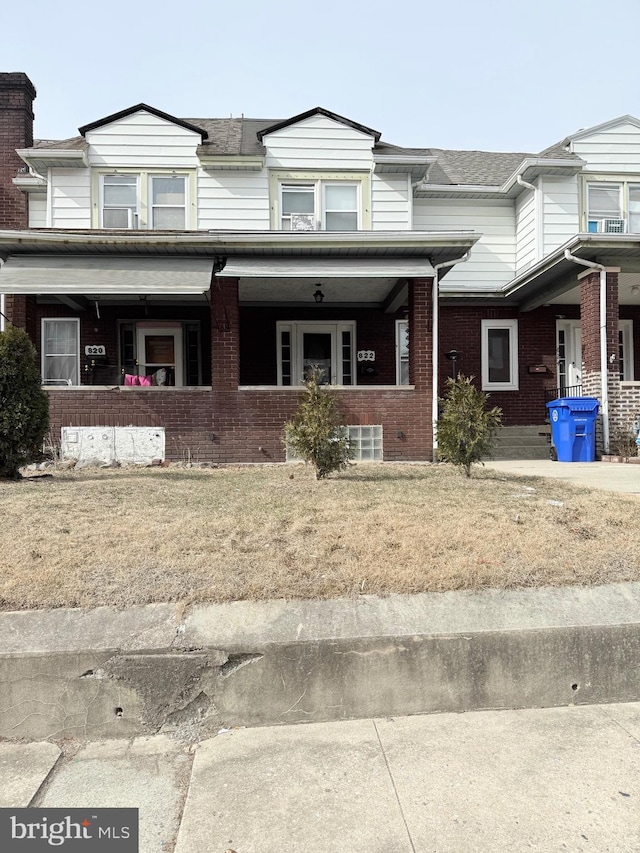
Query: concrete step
{"x": 522, "y": 442}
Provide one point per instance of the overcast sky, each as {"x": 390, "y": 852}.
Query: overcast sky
{"x": 498, "y": 75}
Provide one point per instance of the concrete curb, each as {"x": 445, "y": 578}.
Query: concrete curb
{"x": 109, "y": 673}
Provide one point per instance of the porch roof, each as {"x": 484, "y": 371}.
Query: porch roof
{"x": 435, "y": 246}
{"x": 556, "y": 274}
{"x": 91, "y": 275}
{"x": 327, "y": 268}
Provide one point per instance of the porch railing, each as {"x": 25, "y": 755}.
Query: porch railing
{"x": 567, "y": 391}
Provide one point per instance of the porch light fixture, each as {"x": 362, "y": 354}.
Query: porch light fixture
{"x": 318, "y": 295}
{"x": 452, "y": 356}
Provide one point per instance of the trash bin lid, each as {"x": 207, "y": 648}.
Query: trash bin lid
{"x": 575, "y": 404}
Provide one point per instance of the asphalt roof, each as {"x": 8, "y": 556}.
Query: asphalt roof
{"x": 239, "y": 137}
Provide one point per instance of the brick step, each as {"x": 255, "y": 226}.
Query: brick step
{"x": 522, "y": 442}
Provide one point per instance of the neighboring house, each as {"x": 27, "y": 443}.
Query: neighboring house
{"x": 183, "y": 273}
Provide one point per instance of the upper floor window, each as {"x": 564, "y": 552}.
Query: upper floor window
{"x": 319, "y": 205}
{"x": 144, "y": 201}
{"x": 309, "y": 201}
{"x": 613, "y": 208}
{"x": 168, "y": 202}
{"x": 120, "y": 196}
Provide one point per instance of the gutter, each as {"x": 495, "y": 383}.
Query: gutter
{"x": 604, "y": 367}
{"x": 434, "y": 343}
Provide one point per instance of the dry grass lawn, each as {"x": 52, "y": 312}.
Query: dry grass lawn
{"x": 132, "y": 536}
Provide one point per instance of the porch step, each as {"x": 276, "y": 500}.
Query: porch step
{"x": 522, "y": 442}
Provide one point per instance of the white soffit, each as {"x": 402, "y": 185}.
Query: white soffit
{"x": 327, "y": 268}
{"x": 122, "y": 275}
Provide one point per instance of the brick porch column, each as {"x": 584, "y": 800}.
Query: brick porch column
{"x": 225, "y": 334}
{"x": 17, "y": 94}
{"x": 590, "y": 322}
{"x": 421, "y": 361}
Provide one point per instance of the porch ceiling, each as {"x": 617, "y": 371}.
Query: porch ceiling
{"x": 299, "y": 291}
{"x": 628, "y": 291}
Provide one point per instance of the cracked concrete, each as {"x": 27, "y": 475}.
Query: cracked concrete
{"x": 115, "y": 674}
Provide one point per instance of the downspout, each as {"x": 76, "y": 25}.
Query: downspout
{"x": 604, "y": 367}
{"x": 435, "y": 335}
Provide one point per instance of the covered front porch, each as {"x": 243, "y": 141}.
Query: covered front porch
{"x": 211, "y": 344}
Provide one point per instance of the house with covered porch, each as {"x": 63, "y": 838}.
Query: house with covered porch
{"x": 179, "y": 275}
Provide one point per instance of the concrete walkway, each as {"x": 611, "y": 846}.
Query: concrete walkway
{"x": 548, "y": 780}
{"x": 615, "y": 477}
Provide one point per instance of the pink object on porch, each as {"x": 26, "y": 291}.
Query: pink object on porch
{"x": 145, "y": 380}
{"x": 130, "y": 379}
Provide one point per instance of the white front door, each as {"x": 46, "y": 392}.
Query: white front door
{"x": 569, "y": 349}
{"x": 160, "y": 352}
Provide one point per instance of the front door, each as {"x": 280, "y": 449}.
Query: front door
{"x": 569, "y": 349}
{"x": 317, "y": 347}
{"x": 160, "y": 353}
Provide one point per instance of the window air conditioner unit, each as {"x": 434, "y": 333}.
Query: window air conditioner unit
{"x": 612, "y": 226}
{"x": 303, "y": 222}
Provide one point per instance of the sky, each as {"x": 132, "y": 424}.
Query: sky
{"x": 495, "y": 75}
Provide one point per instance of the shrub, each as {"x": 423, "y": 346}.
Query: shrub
{"x": 24, "y": 406}
{"x": 317, "y": 433}
{"x": 467, "y": 428}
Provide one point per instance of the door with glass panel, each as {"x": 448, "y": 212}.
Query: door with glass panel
{"x": 317, "y": 346}
{"x": 569, "y": 347}
{"x": 160, "y": 354}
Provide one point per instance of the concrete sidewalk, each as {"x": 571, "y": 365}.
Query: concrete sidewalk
{"x": 552, "y": 779}
{"x": 614, "y": 477}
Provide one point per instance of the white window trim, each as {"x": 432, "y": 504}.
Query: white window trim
{"x": 151, "y": 206}
{"x": 135, "y": 223}
{"x": 296, "y": 330}
{"x": 358, "y": 209}
{"x": 399, "y": 325}
{"x": 626, "y": 327}
{"x": 623, "y": 183}
{"x": 278, "y": 177}
{"x": 144, "y": 194}
{"x": 43, "y": 353}
{"x": 512, "y": 327}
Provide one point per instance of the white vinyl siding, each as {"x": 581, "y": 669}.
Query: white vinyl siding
{"x": 233, "y": 200}
{"x": 561, "y": 211}
{"x": 70, "y": 198}
{"x": 526, "y": 230}
{"x": 319, "y": 142}
{"x": 143, "y": 141}
{"x": 390, "y": 204}
{"x": 493, "y": 258}
{"x": 37, "y": 210}
{"x": 614, "y": 150}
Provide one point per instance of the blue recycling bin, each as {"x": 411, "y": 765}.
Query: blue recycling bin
{"x": 573, "y": 428}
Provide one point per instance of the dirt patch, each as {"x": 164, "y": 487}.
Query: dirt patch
{"x": 131, "y": 536}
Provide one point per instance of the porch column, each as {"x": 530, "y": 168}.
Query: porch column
{"x": 225, "y": 334}
{"x": 421, "y": 362}
{"x": 591, "y": 341}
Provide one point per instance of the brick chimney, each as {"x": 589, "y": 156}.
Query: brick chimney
{"x": 17, "y": 94}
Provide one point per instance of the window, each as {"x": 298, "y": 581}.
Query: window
{"x": 168, "y": 202}
{"x": 614, "y": 201}
{"x": 309, "y": 201}
{"x": 143, "y": 200}
{"x": 402, "y": 352}
{"x": 625, "y": 350}
{"x": 499, "y": 355}
{"x": 319, "y": 205}
{"x": 330, "y": 346}
{"x": 120, "y": 201}
{"x": 60, "y": 351}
